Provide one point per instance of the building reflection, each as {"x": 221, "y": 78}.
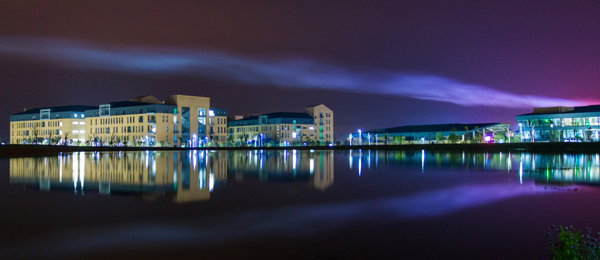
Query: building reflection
{"x": 556, "y": 169}
{"x": 182, "y": 176}
{"x": 313, "y": 167}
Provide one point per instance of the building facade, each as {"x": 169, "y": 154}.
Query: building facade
{"x": 421, "y": 134}
{"x": 284, "y": 128}
{"x": 315, "y": 126}
{"x": 180, "y": 120}
{"x": 560, "y": 124}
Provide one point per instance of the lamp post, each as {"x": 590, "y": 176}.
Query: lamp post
{"x": 521, "y": 131}
{"x": 359, "y": 137}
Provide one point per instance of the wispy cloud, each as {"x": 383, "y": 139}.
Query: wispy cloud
{"x": 290, "y": 73}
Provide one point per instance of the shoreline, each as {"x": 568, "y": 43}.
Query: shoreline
{"x": 15, "y": 150}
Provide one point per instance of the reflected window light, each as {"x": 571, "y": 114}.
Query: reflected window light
{"x": 312, "y": 165}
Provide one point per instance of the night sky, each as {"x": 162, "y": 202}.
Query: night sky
{"x": 374, "y": 63}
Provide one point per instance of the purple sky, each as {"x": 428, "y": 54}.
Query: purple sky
{"x": 375, "y": 64}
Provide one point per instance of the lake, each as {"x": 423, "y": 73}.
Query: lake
{"x": 288, "y": 204}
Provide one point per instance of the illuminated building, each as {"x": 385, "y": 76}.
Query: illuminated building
{"x": 560, "y": 124}
{"x": 142, "y": 121}
{"x": 283, "y": 128}
{"x": 418, "y": 134}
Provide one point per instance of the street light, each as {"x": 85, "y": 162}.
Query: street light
{"x": 359, "y": 137}
{"x": 521, "y": 131}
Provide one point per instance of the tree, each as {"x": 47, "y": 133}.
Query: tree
{"x": 65, "y": 138}
{"x": 398, "y": 140}
{"x": 466, "y": 133}
{"x": 477, "y": 138}
{"x": 452, "y": 137}
{"x": 35, "y": 134}
{"x": 230, "y": 139}
{"x": 385, "y": 139}
{"x": 500, "y": 137}
{"x": 438, "y": 137}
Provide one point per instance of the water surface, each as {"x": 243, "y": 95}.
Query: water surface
{"x": 360, "y": 204}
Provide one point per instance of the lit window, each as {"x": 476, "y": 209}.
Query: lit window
{"x": 82, "y": 116}
{"x": 75, "y": 131}
{"x": 75, "y": 122}
{"x": 81, "y": 131}
{"x": 82, "y": 123}
{"x": 211, "y": 113}
{"x": 75, "y": 115}
{"x": 293, "y": 134}
{"x": 311, "y": 128}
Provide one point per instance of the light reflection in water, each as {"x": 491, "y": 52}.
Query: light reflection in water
{"x": 129, "y": 172}
{"x": 172, "y": 173}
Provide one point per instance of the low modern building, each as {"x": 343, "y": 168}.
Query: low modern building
{"x": 428, "y": 133}
{"x": 284, "y": 128}
{"x": 180, "y": 120}
{"x": 559, "y": 124}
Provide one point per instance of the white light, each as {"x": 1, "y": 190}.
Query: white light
{"x": 82, "y": 123}
{"x": 82, "y": 116}
{"x": 81, "y": 131}
{"x": 211, "y": 113}
{"x": 75, "y": 122}
{"x": 311, "y": 128}
{"x": 75, "y": 131}
{"x": 75, "y": 115}
{"x": 294, "y": 135}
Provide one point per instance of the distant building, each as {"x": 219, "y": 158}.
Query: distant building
{"x": 560, "y": 124}
{"x": 428, "y": 133}
{"x": 179, "y": 120}
{"x": 282, "y": 128}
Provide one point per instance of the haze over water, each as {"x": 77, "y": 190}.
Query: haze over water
{"x": 293, "y": 204}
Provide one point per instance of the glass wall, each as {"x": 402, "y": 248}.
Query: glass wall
{"x": 185, "y": 124}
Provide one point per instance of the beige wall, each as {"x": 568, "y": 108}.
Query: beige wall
{"x": 65, "y": 127}
{"x": 327, "y": 122}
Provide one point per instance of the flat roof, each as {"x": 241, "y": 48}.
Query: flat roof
{"x": 74, "y": 108}
{"x": 584, "y": 109}
{"x": 279, "y": 115}
{"x": 434, "y": 128}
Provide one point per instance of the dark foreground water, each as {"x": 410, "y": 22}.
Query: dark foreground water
{"x": 293, "y": 204}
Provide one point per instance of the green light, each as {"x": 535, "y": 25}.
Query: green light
{"x": 547, "y": 172}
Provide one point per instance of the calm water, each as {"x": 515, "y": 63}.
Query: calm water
{"x": 365, "y": 204}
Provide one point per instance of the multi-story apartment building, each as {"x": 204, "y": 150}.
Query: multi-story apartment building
{"x": 179, "y": 121}
{"x": 217, "y": 122}
{"x": 284, "y": 128}
{"x": 45, "y": 125}
{"x": 560, "y": 124}
{"x": 323, "y": 123}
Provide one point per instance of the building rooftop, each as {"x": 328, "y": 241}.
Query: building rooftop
{"x": 74, "y": 108}
{"x": 433, "y": 128}
{"x": 280, "y": 115}
{"x": 584, "y": 109}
